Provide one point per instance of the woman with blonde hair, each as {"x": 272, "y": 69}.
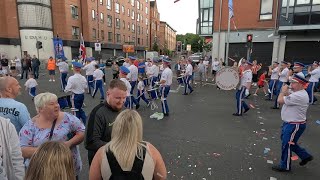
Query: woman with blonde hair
{"x": 51, "y": 161}
{"x": 127, "y": 156}
{"x": 51, "y": 124}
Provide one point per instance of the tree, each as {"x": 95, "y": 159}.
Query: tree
{"x": 194, "y": 39}
{"x": 155, "y": 47}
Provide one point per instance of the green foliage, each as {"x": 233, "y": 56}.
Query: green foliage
{"x": 155, "y": 47}
{"x": 195, "y": 40}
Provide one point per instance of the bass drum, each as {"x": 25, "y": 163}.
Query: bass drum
{"x": 227, "y": 78}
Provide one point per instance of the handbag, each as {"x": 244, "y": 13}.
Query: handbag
{"x": 52, "y": 129}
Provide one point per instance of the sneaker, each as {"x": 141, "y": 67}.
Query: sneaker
{"x": 54, "y": 80}
{"x": 50, "y": 80}
{"x": 305, "y": 161}
{"x": 269, "y": 91}
{"x": 191, "y": 91}
{"x": 266, "y": 94}
{"x": 137, "y": 106}
{"x": 246, "y": 110}
{"x": 255, "y": 94}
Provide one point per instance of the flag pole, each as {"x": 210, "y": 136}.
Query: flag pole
{"x": 228, "y": 41}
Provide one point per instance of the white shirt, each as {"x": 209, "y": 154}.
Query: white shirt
{"x": 206, "y": 63}
{"x": 283, "y": 76}
{"x": 89, "y": 68}
{"x": 295, "y": 107}
{"x": 30, "y": 83}
{"x": 133, "y": 75}
{"x": 76, "y": 84}
{"x": 189, "y": 70}
{"x": 98, "y": 74}
{"x": 246, "y": 78}
{"x": 125, "y": 64}
{"x": 275, "y": 73}
{"x": 154, "y": 70}
{"x": 215, "y": 65}
{"x": 126, "y": 82}
{"x": 315, "y": 75}
{"x": 18, "y": 62}
{"x": 161, "y": 67}
{"x": 63, "y": 67}
{"x": 148, "y": 67}
{"x": 140, "y": 86}
{"x": 300, "y": 74}
{"x": 167, "y": 76}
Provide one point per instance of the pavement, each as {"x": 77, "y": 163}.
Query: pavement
{"x": 202, "y": 140}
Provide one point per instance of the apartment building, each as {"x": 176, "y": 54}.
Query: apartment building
{"x": 282, "y": 29}
{"x": 154, "y": 24}
{"x": 167, "y": 38}
{"x": 110, "y": 22}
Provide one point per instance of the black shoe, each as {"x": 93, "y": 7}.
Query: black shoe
{"x": 246, "y": 110}
{"x": 191, "y": 91}
{"x": 137, "y": 106}
{"x": 236, "y": 114}
{"x": 275, "y": 108}
{"x": 248, "y": 96}
{"x": 278, "y": 169}
{"x": 185, "y": 94}
{"x": 166, "y": 114}
{"x": 305, "y": 161}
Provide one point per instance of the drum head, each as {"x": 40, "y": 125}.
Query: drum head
{"x": 227, "y": 78}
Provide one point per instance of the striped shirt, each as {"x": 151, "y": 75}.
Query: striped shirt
{"x": 255, "y": 69}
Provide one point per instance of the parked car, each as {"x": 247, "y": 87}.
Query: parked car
{"x": 110, "y": 60}
{"x": 120, "y": 60}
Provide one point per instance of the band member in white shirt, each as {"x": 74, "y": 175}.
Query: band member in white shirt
{"x": 98, "y": 82}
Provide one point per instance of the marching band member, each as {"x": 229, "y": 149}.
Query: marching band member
{"x": 141, "y": 91}
{"x": 31, "y": 85}
{"x": 123, "y": 77}
{"x": 98, "y": 82}
{"x": 126, "y": 63}
{"x": 297, "y": 69}
{"x": 89, "y": 68}
{"x": 133, "y": 77}
{"x": 293, "y": 113}
{"x": 165, "y": 83}
{"x": 313, "y": 81}
{"x": 283, "y": 78}
{"x": 187, "y": 78}
{"x": 245, "y": 83}
{"x": 154, "y": 72}
{"x": 77, "y": 85}
{"x": 63, "y": 68}
{"x": 274, "y": 71}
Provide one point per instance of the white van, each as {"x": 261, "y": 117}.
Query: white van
{"x": 152, "y": 55}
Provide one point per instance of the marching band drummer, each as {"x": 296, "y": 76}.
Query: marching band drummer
{"x": 89, "y": 68}
{"x": 133, "y": 77}
{"x": 63, "y": 68}
{"x": 313, "y": 81}
{"x": 165, "y": 83}
{"x": 187, "y": 77}
{"x": 77, "y": 85}
{"x": 245, "y": 83}
{"x": 154, "y": 72}
{"x": 293, "y": 113}
{"x": 283, "y": 78}
{"x": 124, "y": 71}
{"x": 274, "y": 71}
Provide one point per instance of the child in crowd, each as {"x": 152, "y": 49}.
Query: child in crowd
{"x": 202, "y": 71}
{"x": 30, "y": 85}
{"x": 262, "y": 80}
{"x": 141, "y": 91}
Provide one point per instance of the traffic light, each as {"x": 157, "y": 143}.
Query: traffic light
{"x": 39, "y": 45}
{"x": 249, "y": 38}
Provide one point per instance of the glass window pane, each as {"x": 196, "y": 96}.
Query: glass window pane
{"x": 315, "y": 18}
{"x": 303, "y": 2}
{"x": 265, "y": 16}
{"x": 266, "y": 6}
{"x": 205, "y": 15}
{"x": 316, "y": 2}
{"x": 211, "y": 14}
{"x": 301, "y": 19}
{"x": 284, "y": 3}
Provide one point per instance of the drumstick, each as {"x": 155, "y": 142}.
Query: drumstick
{"x": 231, "y": 59}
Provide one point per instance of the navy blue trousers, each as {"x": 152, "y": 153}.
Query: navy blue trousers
{"x": 187, "y": 84}
{"x": 310, "y": 90}
{"x": 142, "y": 96}
{"x": 98, "y": 84}
{"x": 272, "y": 87}
{"x": 77, "y": 100}
{"x": 90, "y": 82}
{"x": 278, "y": 90}
{"x": 32, "y": 91}
{"x": 63, "y": 81}
{"x": 240, "y": 96}
{"x": 164, "y": 90}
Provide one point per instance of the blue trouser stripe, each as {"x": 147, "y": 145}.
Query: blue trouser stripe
{"x": 310, "y": 91}
{"x": 164, "y": 94}
{"x": 187, "y": 84}
{"x": 142, "y": 96}
{"x": 90, "y": 82}
{"x": 241, "y": 104}
{"x": 78, "y": 100}
{"x": 272, "y": 87}
{"x": 278, "y": 89}
{"x": 98, "y": 84}
{"x": 63, "y": 81}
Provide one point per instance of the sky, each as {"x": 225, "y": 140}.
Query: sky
{"x": 181, "y": 16}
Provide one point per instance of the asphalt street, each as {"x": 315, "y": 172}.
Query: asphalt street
{"x": 202, "y": 140}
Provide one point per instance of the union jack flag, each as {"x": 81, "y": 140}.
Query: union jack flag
{"x": 82, "y": 50}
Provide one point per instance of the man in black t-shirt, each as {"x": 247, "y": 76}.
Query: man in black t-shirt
{"x": 99, "y": 125}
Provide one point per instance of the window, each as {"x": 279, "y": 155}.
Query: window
{"x": 132, "y": 15}
{"x": 147, "y": 41}
{"x": 300, "y": 2}
{"x": 138, "y": 17}
{"x": 94, "y": 33}
{"x": 316, "y": 2}
{"x": 109, "y": 20}
{"x": 122, "y": 9}
{"x": 141, "y": 30}
{"x": 141, "y": 17}
{"x": 74, "y": 12}
{"x": 102, "y": 34}
{"x": 117, "y": 8}
{"x": 133, "y": 39}
{"x": 138, "y": 5}
{"x": 138, "y": 41}
{"x": 101, "y": 2}
{"x": 147, "y": 31}
{"x": 123, "y": 24}
{"x": 138, "y": 29}
{"x": 133, "y": 27}
{"x": 128, "y": 12}
{"x": 129, "y": 40}
{"x": 117, "y": 23}
{"x": 146, "y": 10}
{"x": 101, "y": 17}
{"x": 132, "y": 3}
{"x": 284, "y": 3}
{"x": 158, "y": 27}
{"x": 141, "y": 7}
{"x": 75, "y": 32}
{"x": 128, "y": 26}
{"x": 118, "y": 38}
{"x": 124, "y": 39}
{"x": 110, "y": 36}
{"x": 266, "y": 7}
{"x": 146, "y": 1}
{"x": 146, "y": 21}
{"x": 93, "y": 13}
{"x": 109, "y": 4}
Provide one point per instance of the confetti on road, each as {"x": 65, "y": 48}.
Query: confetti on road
{"x": 251, "y": 106}
{"x": 261, "y": 123}
{"x": 266, "y": 150}
{"x": 318, "y": 122}
{"x": 264, "y": 138}
{"x": 294, "y": 158}
{"x": 250, "y": 168}
{"x": 263, "y": 130}
{"x": 269, "y": 161}
{"x": 250, "y": 154}
{"x": 273, "y": 178}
